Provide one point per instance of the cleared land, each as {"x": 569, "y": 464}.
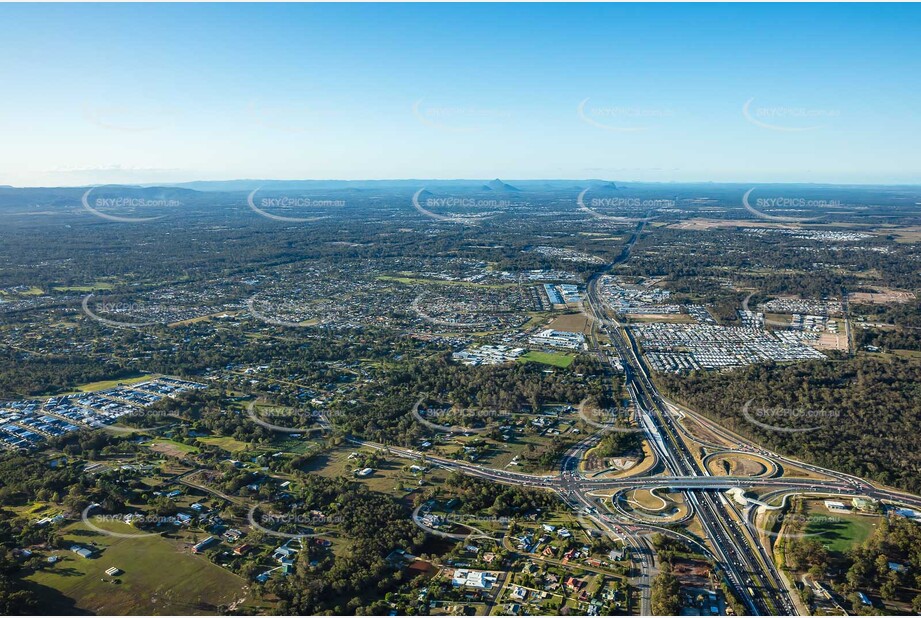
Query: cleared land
{"x": 548, "y": 358}
{"x": 570, "y": 323}
{"x": 173, "y": 449}
{"x": 839, "y": 531}
{"x": 191, "y": 584}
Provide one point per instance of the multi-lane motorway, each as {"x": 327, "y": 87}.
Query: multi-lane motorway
{"x": 733, "y": 541}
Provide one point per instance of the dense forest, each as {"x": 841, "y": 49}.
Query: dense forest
{"x": 862, "y": 413}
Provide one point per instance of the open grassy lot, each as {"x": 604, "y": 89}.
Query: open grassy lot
{"x": 169, "y": 447}
{"x": 386, "y": 477}
{"x": 104, "y": 384}
{"x": 99, "y": 285}
{"x": 839, "y": 531}
{"x": 231, "y": 445}
{"x": 555, "y": 359}
{"x": 190, "y": 585}
{"x": 671, "y": 318}
{"x": 32, "y": 291}
{"x": 571, "y": 323}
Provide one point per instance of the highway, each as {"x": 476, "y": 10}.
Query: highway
{"x": 734, "y": 542}
{"x": 751, "y": 581}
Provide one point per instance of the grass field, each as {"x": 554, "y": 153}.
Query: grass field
{"x": 33, "y": 291}
{"x": 336, "y": 462}
{"x": 841, "y": 532}
{"x": 84, "y": 288}
{"x": 190, "y": 585}
{"x": 169, "y": 447}
{"x": 231, "y": 445}
{"x": 555, "y": 359}
{"x": 104, "y": 384}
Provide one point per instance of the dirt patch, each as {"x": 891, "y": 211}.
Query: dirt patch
{"x": 170, "y": 449}
{"x": 597, "y": 464}
{"x": 692, "y": 573}
{"x": 830, "y": 341}
{"x": 881, "y": 296}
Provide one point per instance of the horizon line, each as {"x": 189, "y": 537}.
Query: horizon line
{"x": 147, "y": 185}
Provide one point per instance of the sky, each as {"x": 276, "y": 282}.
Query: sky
{"x": 138, "y": 93}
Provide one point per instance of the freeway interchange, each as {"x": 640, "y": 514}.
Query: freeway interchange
{"x": 731, "y": 538}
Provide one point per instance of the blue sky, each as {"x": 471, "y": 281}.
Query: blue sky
{"x": 657, "y": 92}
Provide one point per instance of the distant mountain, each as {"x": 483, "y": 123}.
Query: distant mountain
{"x": 498, "y": 185}
{"x": 606, "y": 185}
